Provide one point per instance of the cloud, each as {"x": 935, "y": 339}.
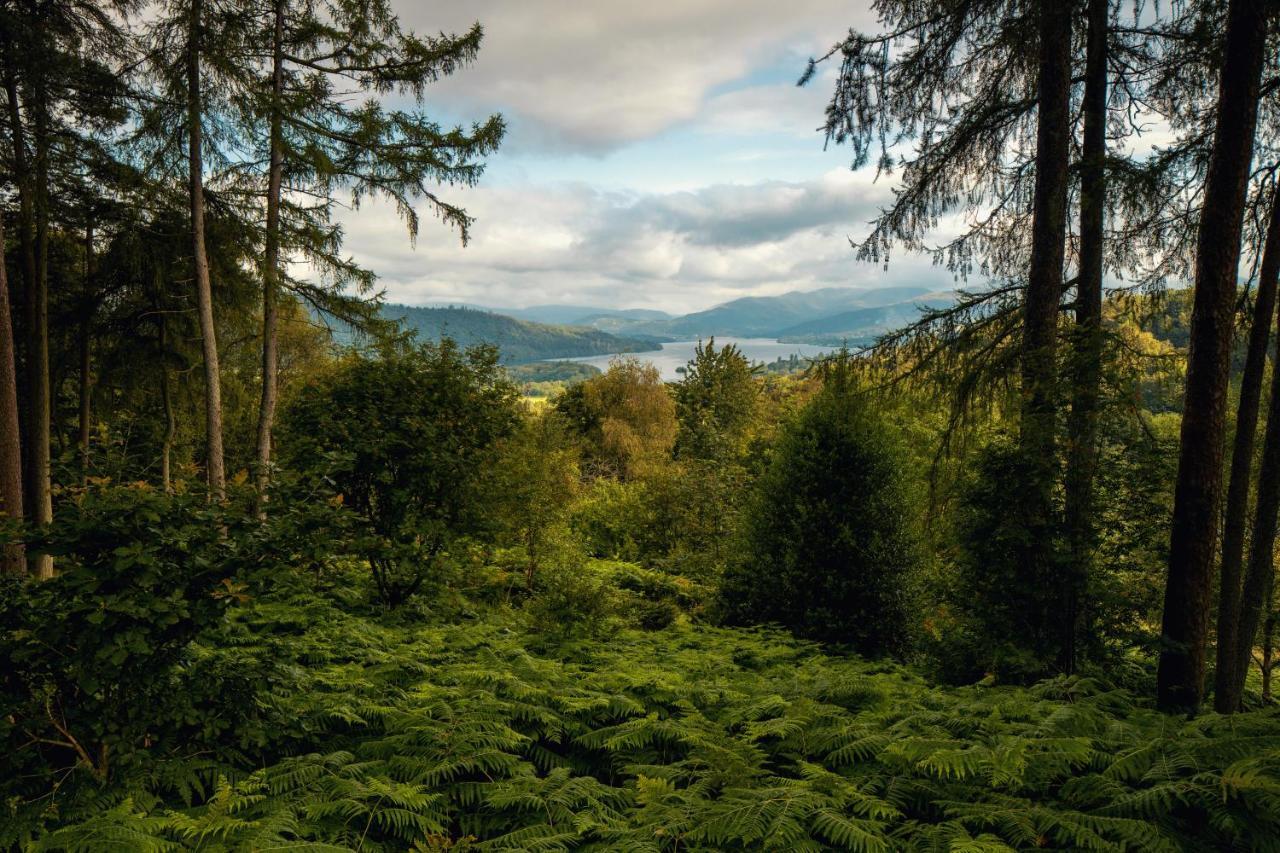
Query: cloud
{"x": 679, "y": 252}
{"x": 592, "y": 77}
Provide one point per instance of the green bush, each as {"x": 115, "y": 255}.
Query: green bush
{"x": 404, "y": 440}
{"x": 95, "y": 664}
{"x": 829, "y": 541}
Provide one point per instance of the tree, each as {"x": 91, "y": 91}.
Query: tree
{"x": 1236, "y": 511}
{"x": 1189, "y": 588}
{"x": 1087, "y": 350}
{"x": 215, "y": 470}
{"x": 10, "y": 430}
{"x": 1038, "y": 422}
{"x": 404, "y": 439}
{"x": 1259, "y": 578}
{"x": 533, "y": 483}
{"x": 319, "y": 140}
{"x": 829, "y": 542}
{"x": 627, "y": 417}
{"x": 715, "y": 403}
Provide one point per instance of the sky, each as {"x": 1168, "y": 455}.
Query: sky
{"x": 659, "y": 155}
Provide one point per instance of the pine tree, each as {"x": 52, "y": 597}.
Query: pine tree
{"x": 10, "y": 429}
{"x": 1235, "y": 513}
{"x": 317, "y": 53}
{"x": 1087, "y": 341}
{"x": 1189, "y": 587}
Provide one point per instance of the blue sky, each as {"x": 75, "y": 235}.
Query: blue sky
{"x": 659, "y": 155}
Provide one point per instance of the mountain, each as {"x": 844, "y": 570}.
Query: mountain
{"x": 861, "y": 325}
{"x": 769, "y": 316}
{"x": 520, "y": 341}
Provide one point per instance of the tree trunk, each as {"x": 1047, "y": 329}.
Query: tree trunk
{"x": 271, "y": 264}
{"x": 170, "y": 421}
{"x": 40, "y": 488}
{"x": 1044, "y": 292}
{"x": 1189, "y": 586}
{"x": 1236, "y": 514}
{"x": 1082, "y": 422}
{"x": 14, "y": 559}
{"x": 1268, "y": 648}
{"x": 1260, "y": 573}
{"x": 86, "y": 355}
{"x": 200, "y": 261}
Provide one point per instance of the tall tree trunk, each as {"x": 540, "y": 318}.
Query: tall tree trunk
{"x": 1044, "y": 292}
{"x": 1235, "y": 516}
{"x": 1260, "y": 574}
{"x": 1082, "y": 422}
{"x": 14, "y": 559}
{"x": 271, "y": 263}
{"x": 1189, "y": 586}
{"x": 204, "y": 290}
{"x": 170, "y": 421}
{"x": 86, "y": 355}
{"x": 40, "y": 489}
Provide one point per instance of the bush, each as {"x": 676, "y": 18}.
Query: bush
{"x": 1006, "y": 621}
{"x": 829, "y": 540}
{"x": 91, "y": 661}
{"x": 404, "y": 440}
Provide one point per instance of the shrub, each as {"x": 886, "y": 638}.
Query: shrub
{"x": 829, "y": 540}
{"x": 404, "y": 440}
{"x": 90, "y": 661}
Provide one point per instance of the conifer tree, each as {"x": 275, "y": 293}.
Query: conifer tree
{"x": 1189, "y": 586}
{"x": 14, "y": 560}
{"x": 319, "y": 144}
{"x": 1235, "y": 512}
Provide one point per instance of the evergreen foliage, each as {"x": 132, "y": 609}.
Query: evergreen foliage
{"x": 829, "y": 537}
{"x": 404, "y": 441}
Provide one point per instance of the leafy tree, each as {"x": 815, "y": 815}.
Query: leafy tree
{"x": 626, "y": 416}
{"x": 829, "y": 542}
{"x": 534, "y": 481}
{"x": 715, "y": 403}
{"x": 404, "y": 439}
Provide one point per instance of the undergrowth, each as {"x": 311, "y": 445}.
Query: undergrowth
{"x": 372, "y": 733}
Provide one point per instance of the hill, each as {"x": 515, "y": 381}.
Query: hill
{"x": 748, "y": 317}
{"x": 519, "y": 340}
{"x": 861, "y": 325}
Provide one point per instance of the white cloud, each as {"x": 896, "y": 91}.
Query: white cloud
{"x": 593, "y": 76}
{"x": 676, "y": 251}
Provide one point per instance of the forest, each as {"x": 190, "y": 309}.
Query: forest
{"x": 281, "y": 572}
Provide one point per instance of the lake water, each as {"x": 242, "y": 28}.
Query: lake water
{"x": 677, "y": 354}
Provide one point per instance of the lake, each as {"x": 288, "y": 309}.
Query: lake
{"x": 677, "y": 354}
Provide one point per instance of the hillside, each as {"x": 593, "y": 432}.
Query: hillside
{"x": 519, "y": 340}
{"x": 769, "y": 316}
{"x": 859, "y": 326}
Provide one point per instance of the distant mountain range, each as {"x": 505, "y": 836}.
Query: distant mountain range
{"x": 521, "y": 341}
{"x": 827, "y": 317}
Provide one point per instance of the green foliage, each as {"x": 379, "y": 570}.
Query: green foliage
{"x": 92, "y": 660}
{"x": 1007, "y": 614}
{"x": 439, "y": 737}
{"x": 531, "y": 487}
{"x": 626, "y": 418}
{"x": 404, "y": 440}
{"x": 715, "y": 403}
{"x": 829, "y": 541}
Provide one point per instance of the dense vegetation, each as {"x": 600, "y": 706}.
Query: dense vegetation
{"x": 264, "y": 589}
